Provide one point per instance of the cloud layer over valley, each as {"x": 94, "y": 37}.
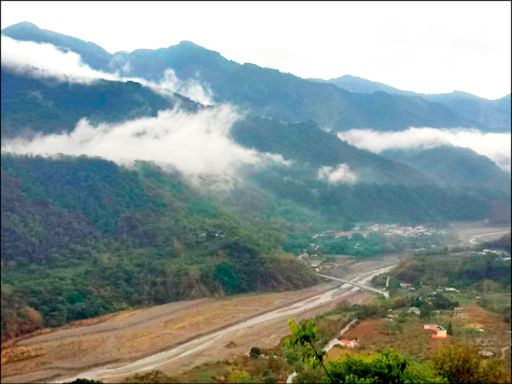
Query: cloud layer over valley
{"x": 46, "y": 60}
{"x": 495, "y": 146}
{"x": 198, "y": 145}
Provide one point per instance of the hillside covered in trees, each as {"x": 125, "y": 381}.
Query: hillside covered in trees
{"x": 82, "y": 237}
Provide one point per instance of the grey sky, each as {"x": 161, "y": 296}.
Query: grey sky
{"x": 429, "y": 47}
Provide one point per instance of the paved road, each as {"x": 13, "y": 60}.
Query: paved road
{"x": 152, "y": 362}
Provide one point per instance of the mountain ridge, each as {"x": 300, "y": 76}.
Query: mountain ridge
{"x": 231, "y": 82}
{"x": 488, "y": 112}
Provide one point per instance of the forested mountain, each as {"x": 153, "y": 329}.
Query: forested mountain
{"x": 348, "y": 204}
{"x": 52, "y": 105}
{"x": 492, "y": 115}
{"x": 82, "y": 237}
{"x": 265, "y": 91}
{"x": 297, "y": 110}
{"x": 454, "y": 166}
{"x": 295, "y": 142}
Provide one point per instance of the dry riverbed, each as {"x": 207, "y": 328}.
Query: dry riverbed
{"x": 186, "y": 333}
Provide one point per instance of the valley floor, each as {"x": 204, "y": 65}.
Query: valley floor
{"x": 176, "y": 336}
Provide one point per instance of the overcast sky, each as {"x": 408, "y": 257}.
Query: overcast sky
{"x": 429, "y": 47}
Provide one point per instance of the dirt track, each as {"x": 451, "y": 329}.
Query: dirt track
{"x": 131, "y": 340}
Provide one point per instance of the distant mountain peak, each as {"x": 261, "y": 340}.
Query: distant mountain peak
{"x": 189, "y": 43}
{"x": 22, "y": 25}
{"x": 91, "y": 53}
{"x": 464, "y": 94}
{"x": 349, "y": 77}
{"x": 358, "y": 84}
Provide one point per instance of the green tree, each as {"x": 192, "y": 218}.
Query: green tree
{"x": 387, "y": 367}
{"x": 460, "y": 364}
{"x": 449, "y": 329}
{"x": 304, "y": 335}
{"x": 255, "y": 352}
{"x": 239, "y": 376}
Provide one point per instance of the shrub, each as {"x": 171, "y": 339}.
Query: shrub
{"x": 255, "y": 352}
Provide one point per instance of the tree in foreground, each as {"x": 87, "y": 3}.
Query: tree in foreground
{"x": 239, "y": 376}
{"x": 461, "y": 364}
{"x": 387, "y": 367}
{"x": 304, "y": 336}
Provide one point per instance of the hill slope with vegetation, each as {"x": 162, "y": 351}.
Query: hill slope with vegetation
{"x": 49, "y": 105}
{"x": 82, "y": 237}
{"x": 454, "y": 166}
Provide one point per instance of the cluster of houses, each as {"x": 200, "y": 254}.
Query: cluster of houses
{"x": 386, "y": 229}
{"x": 393, "y": 229}
{"x": 441, "y": 332}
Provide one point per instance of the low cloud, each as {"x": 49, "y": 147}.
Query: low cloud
{"x": 197, "y": 145}
{"x": 45, "y": 60}
{"x": 339, "y": 174}
{"x": 189, "y": 88}
{"x": 496, "y": 146}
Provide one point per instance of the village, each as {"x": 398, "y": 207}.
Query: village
{"x": 384, "y": 229}
{"x": 410, "y": 329}
{"x": 436, "y": 313}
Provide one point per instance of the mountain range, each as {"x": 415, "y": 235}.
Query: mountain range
{"x": 84, "y": 236}
{"x": 283, "y": 114}
{"x": 338, "y": 104}
{"x": 493, "y": 114}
